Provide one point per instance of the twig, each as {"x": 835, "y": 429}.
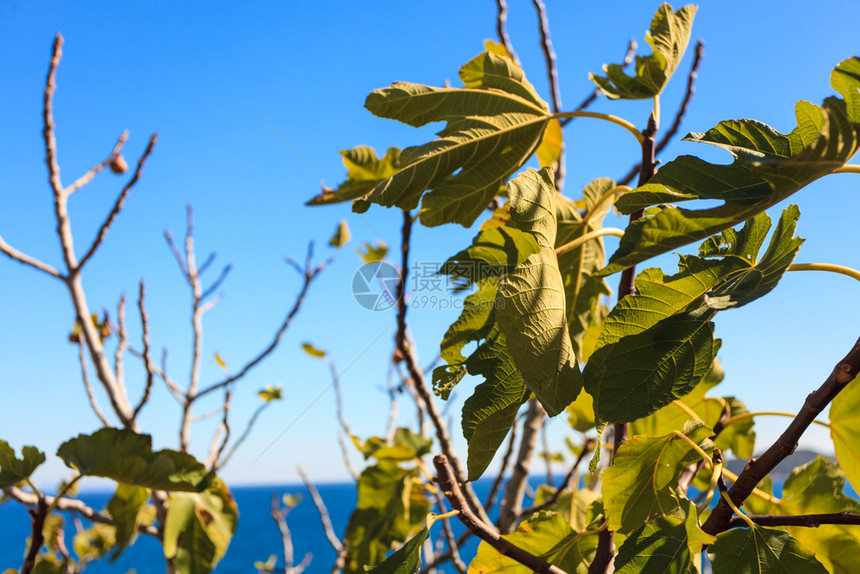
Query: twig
{"x": 147, "y": 360}
{"x": 552, "y": 73}
{"x": 566, "y": 484}
{"x": 843, "y": 373}
{"x": 808, "y": 520}
{"x": 20, "y": 257}
{"x": 417, "y": 375}
{"x": 447, "y": 481}
{"x": 335, "y": 381}
{"x": 502, "y": 31}
{"x": 244, "y": 434}
{"x": 628, "y": 59}
{"x": 37, "y": 538}
{"x": 93, "y": 171}
{"x": 512, "y": 502}
{"x": 117, "y": 206}
{"x": 679, "y": 115}
{"x": 322, "y": 511}
{"x": 48, "y": 117}
{"x": 70, "y": 505}
{"x": 309, "y": 274}
{"x": 82, "y": 358}
{"x": 453, "y": 548}
{"x": 122, "y": 341}
{"x": 280, "y": 516}
{"x": 216, "y": 447}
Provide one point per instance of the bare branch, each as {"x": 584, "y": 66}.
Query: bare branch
{"x": 173, "y": 249}
{"x": 758, "y": 468}
{"x": 147, "y": 359}
{"x": 117, "y": 206}
{"x": 37, "y": 538}
{"x": 217, "y": 283}
{"x": 122, "y": 338}
{"x": 48, "y": 118}
{"x": 323, "y": 512}
{"x": 448, "y": 483}
{"x": 453, "y": 547}
{"x": 502, "y": 31}
{"x": 93, "y": 171}
{"x": 335, "y": 382}
{"x": 417, "y": 375}
{"x": 217, "y": 446}
{"x": 549, "y": 55}
{"x": 515, "y": 489}
{"x": 244, "y": 434}
{"x": 70, "y": 505}
{"x": 20, "y": 257}
{"x": 89, "y": 389}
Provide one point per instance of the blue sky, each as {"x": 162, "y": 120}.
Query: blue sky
{"x": 225, "y": 87}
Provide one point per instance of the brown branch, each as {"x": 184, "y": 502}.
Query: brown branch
{"x": 37, "y": 538}
{"x": 552, "y": 73}
{"x": 512, "y": 501}
{"x": 48, "y": 118}
{"x": 118, "y": 204}
{"x": 502, "y": 31}
{"x": 70, "y": 505}
{"x": 417, "y": 375}
{"x": 447, "y": 481}
{"x": 453, "y": 551}
{"x": 808, "y": 520}
{"x": 244, "y": 434}
{"x": 568, "y": 481}
{"x": 758, "y": 468}
{"x": 335, "y": 382}
{"x": 218, "y": 444}
{"x": 679, "y": 115}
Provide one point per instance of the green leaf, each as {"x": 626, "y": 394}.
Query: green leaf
{"x": 125, "y": 508}
{"x": 199, "y": 527}
{"x": 390, "y": 508}
{"x": 407, "y": 559}
{"x": 768, "y": 168}
{"x": 490, "y": 412}
{"x": 13, "y": 469}
{"x": 127, "y": 457}
{"x": 845, "y": 431}
{"x": 313, "y": 351}
{"x": 418, "y": 444}
{"x": 551, "y": 144}
{"x": 364, "y": 171}
{"x": 220, "y": 362}
{"x": 762, "y": 550}
{"x": 93, "y": 543}
{"x": 530, "y": 304}
{"x": 640, "y": 485}
{"x": 493, "y": 125}
{"x": 341, "y": 236}
{"x": 271, "y": 393}
{"x": 670, "y": 34}
{"x": 666, "y": 330}
{"x": 373, "y": 253}
{"x": 669, "y": 545}
{"x": 546, "y": 535}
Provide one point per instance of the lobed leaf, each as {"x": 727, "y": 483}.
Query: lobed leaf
{"x": 363, "y": 171}
{"x": 13, "y": 469}
{"x": 761, "y": 549}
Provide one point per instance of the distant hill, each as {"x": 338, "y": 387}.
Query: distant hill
{"x": 784, "y": 468}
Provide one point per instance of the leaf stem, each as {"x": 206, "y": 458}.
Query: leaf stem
{"x": 831, "y": 267}
{"x": 756, "y": 491}
{"x": 737, "y": 510}
{"x": 579, "y": 241}
{"x": 606, "y": 117}
{"x": 684, "y": 407}
{"x": 33, "y": 487}
{"x": 609, "y": 195}
{"x": 744, "y": 416}
{"x": 847, "y": 168}
{"x": 657, "y": 110}
{"x": 695, "y": 447}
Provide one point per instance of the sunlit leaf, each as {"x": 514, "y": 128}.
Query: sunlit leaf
{"x": 845, "y": 431}
{"x": 313, "y": 351}
{"x": 762, "y": 550}
{"x": 13, "y": 469}
{"x": 530, "y": 304}
{"x": 546, "y": 535}
{"x": 373, "y": 253}
{"x": 551, "y": 145}
{"x": 494, "y": 124}
{"x": 271, "y": 393}
{"x": 125, "y": 508}
{"x": 642, "y": 481}
{"x": 341, "y": 236}
{"x": 768, "y": 168}
{"x": 364, "y": 171}
{"x": 221, "y": 363}
{"x": 669, "y": 36}
{"x": 128, "y": 458}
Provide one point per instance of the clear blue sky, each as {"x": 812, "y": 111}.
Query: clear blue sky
{"x": 209, "y": 80}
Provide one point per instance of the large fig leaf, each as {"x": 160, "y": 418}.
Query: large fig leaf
{"x": 670, "y": 34}
{"x": 530, "y": 305}
{"x": 768, "y": 168}
{"x": 13, "y": 469}
{"x": 128, "y": 458}
{"x": 761, "y": 549}
{"x": 363, "y": 171}
{"x": 494, "y": 124}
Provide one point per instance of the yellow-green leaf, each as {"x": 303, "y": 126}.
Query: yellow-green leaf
{"x": 313, "y": 351}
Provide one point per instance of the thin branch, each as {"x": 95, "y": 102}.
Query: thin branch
{"x": 322, "y": 511}
{"x": 147, "y": 360}
{"x": 217, "y": 446}
{"x": 453, "y": 548}
{"x": 244, "y": 434}
{"x": 70, "y": 505}
{"x": 843, "y": 373}
{"x": 417, "y": 375}
{"x": 122, "y": 338}
{"x": 679, "y": 115}
{"x": 502, "y": 31}
{"x": 335, "y": 381}
{"x": 447, "y": 481}
{"x": 48, "y": 118}
{"x": 808, "y": 520}
{"x": 176, "y": 253}
{"x": 93, "y": 171}
{"x": 309, "y": 274}
{"x": 552, "y": 73}
{"x": 568, "y": 481}
{"x": 88, "y": 387}
{"x": 512, "y": 502}
{"x": 20, "y": 257}
{"x": 217, "y": 283}
{"x": 117, "y": 206}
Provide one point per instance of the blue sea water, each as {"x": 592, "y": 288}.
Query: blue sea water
{"x": 257, "y": 535}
